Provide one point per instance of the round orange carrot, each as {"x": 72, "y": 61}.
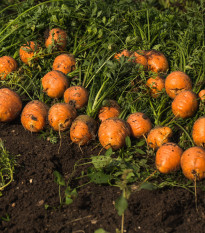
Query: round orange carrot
{"x": 10, "y": 105}
{"x": 156, "y": 85}
{"x": 193, "y": 163}
{"x": 83, "y": 130}
{"x": 177, "y": 82}
{"x": 198, "y": 132}
{"x": 34, "y": 115}
{"x": 54, "y": 84}
{"x": 76, "y": 96}
{"x": 64, "y": 63}
{"x": 61, "y": 115}
{"x": 139, "y": 123}
{"x": 168, "y": 157}
{"x": 28, "y": 51}
{"x": 157, "y": 62}
{"x": 112, "y": 133}
{"x": 7, "y": 65}
{"x": 158, "y": 136}
{"x": 109, "y": 109}
{"x": 57, "y": 38}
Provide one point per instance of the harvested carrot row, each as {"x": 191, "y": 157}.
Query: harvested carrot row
{"x": 10, "y": 105}
{"x": 34, "y": 115}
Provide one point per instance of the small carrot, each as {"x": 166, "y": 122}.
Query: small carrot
{"x": 34, "y": 115}
{"x": 83, "y": 130}
{"x": 61, "y": 115}
{"x": 112, "y": 133}
{"x": 10, "y": 105}
{"x": 7, "y": 65}
{"x": 76, "y": 96}
{"x": 54, "y": 84}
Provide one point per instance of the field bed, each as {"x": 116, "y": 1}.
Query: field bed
{"x": 112, "y": 50}
{"x": 161, "y": 210}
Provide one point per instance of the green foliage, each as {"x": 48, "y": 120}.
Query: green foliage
{"x": 7, "y": 167}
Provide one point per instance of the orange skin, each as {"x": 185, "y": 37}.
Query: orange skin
{"x": 202, "y": 95}
{"x": 198, "y": 132}
{"x": 83, "y": 130}
{"x": 112, "y": 133}
{"x": 7, "y": 65}
{"x": 158, "y": 136}
{"x": 34, "y": 115}
{"x": 64, "y": 63}
{"x": 54, "y": 84}
{"x": 185, "y": 104}
{"x": 177, "y": 82}
{"x": 111, "y": 109}
{"x": 193, "y": 163}
{"x": 168, "y": 157}
{"x": 139, "y": 123}
{"x": 57, "y": 38}
{"x": 28, "y": 51}
{"x": 140, "y": 57}
{"x": 61, "y": 115}
{"x": 157, "y": 62}
{"x": 155, "y": 85}
{"x": 76, "y": 96}
{"x": 124, "y": 53}
{"x": 10, "y": 105}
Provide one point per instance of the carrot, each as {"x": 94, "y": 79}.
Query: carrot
{"x": 61, "y": 115}
{"x": 202, "y": 95}
{"x": 156, "y": 85}
{"x": 139, "y": 124}
{"x": 10, "y": 105}
{"x": 193, "y": 163}
{"x": 198, "y": 132}
{"x": 7, "y": 65}
{"x": 158, "y": 136}
{"x": 28, "y": 51}
{"x": 34, "y": 115}
{"x": 157, "y": 62}
{"x": 57, "y": 38}
{"x": 168, "y": 157}
{"x": 83, "y": 130}
{"x": 112, "y": 133}
{"x": 54, "y": 84}
{"x": 76, "y": 96}
{"x": 124, "y": 53}
{"x": 140, "y": 57}
{"x": 177, "y": 82}
{"x": 64, "y": 63}
{"x": 185, "y": 104}
{"x": 109, "y": 109}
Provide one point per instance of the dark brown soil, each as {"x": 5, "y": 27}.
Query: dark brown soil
{"x": 162, "y": 210}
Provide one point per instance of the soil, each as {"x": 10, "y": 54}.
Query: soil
{"x": 24, "y": 200}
